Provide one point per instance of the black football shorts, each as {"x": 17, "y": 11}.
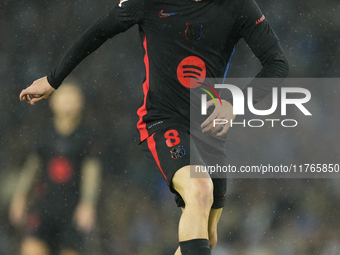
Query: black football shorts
{"x": 57, "y": 231}
{"x": 173, "y": 147}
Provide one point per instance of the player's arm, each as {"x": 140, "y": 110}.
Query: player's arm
{"x": 117, "y": 20}
{"x": 262, "y": 40}
{"x": 254, "y": 28}
{"x": 275, "y": 67}
{"x": 23, "y": 186}
{"x": 89, "y": 193}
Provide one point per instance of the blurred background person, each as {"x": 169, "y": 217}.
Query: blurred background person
{"x": 65, "y": 176}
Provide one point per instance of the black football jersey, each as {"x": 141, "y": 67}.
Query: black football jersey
{"x": 57, "y": 190}
{"x": 183, "y": 41}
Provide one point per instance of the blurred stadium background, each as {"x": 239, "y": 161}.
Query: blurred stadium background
{"x": 137, "y": 214}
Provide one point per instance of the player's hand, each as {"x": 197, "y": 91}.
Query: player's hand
{"x": 84, "y": 217}
{"x": 17, "y": 210}
{"x": 40, "y": 89}
{"x": 223, "y": 112}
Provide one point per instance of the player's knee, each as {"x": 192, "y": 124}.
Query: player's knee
{"x": 201, "y": 193}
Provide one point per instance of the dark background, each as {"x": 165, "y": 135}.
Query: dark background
{"x": 137, "y": 213}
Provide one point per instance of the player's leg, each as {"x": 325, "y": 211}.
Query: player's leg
{"x": 171, "y": 149}
{"x": 219, "y": 192}
{"x": 214, "y": 217}
{"x": 197, "y": 194}
{"x": 71, "y": 240}
{"x": 40, "y": 231}
{"x": 214, "y": 154}
{"x": 34, "y": 246}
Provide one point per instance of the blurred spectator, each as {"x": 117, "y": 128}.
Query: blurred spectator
{"x": 65, "y": 173}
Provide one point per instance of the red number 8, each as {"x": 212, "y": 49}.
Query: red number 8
{"x": 172, "y": 138}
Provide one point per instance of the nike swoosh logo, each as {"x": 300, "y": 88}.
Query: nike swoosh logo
{"x": 163, "y": 14}
{"x": 121, "y": 1}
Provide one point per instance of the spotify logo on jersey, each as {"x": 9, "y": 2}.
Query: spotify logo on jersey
{"x": 191, "y": 72}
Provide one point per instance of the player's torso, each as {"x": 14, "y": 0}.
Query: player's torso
{"x": 184, "y": 39}
{"x": 176, "y": 29}
{"x": 62, "y": 157}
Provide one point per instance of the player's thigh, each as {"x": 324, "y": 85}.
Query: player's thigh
{"x": 215, "y": 156}
{"x": 171, "y": 150}
{"x": 34, "y": 246}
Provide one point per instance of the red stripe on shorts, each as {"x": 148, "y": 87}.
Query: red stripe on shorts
{"x": 152, "y": 147}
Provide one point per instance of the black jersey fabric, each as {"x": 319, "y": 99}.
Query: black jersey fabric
{"x": 179, "y": 36}
{"x": 58, "y": 189}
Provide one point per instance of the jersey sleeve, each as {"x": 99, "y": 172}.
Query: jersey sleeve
{"x": 254, "y": 28}
{"x": 120, "y": 18}
{"x": 129, "y": 12}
